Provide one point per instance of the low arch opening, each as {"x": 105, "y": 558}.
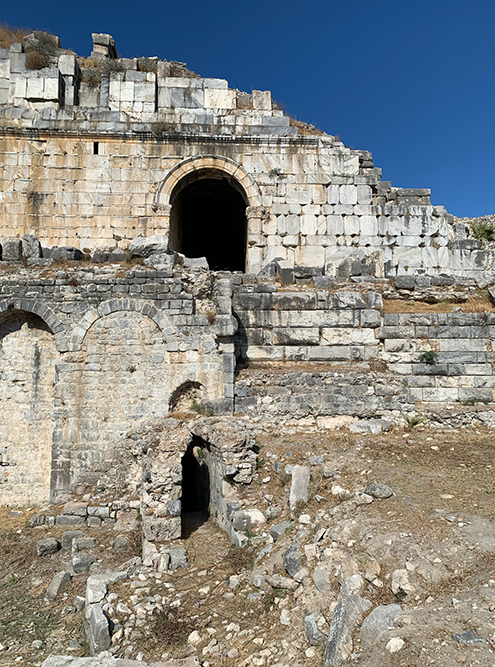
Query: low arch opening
{"x": 12, "y": 320}
{"x": 195, "y": 487}
{"x": 187, "y": 397}
{"x": 208, "y": 219}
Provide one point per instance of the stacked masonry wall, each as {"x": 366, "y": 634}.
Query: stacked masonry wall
{"x": 56, "y": 188}
{"x": 361, "y": 362}
{"x": 87, "y": 356}
{"x": 87, "y": 164}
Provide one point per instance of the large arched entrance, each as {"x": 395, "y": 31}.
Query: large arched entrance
{"x": 28, "y": 358}
{"x": 208, "y": 219}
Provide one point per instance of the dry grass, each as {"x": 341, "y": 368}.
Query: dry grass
{"x": 240, "y": 558}
{"x": 475, "y": 303}
{"x": 36, "y": 60}
{"x": 305, "y": 129}
{"x": 9, "y": 36}
{"x": 171, "y": 628}
{"x": 92, "y": 63}
{"x": 147, "y": 65}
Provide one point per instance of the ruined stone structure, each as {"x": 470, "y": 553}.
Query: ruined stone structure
{"x": 229, "y": 202}
{"x": 94, "y": 156}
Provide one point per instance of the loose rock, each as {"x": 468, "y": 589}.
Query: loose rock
{"x": 378, "y": 490}
{"x": 57, "y": 585}
{"x": 313, "y": 634}
{"x": 47, "y": 546}
{"x": 379, "y": 621}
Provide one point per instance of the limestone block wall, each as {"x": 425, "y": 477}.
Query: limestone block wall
{"x": 110, "y": 351}
{"x": 28, "y": 359}
{"x": 92, "y": 161}
{"x": 56, "y": 188}
{"x": 307, "y": 325}
{"x": 463, "y": 368}
{"x": 322, "y": 353}
{"x": 227, "y": 450}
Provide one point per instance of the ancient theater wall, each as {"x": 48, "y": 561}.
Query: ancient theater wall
{"x": 310, "y": 201}
{"x": 126, "y": 373}
{"x": 57, "y": 188}
{"x": 28, "y": 358}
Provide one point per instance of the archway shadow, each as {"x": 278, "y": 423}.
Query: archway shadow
{"x": 195, "y": 488}
{"x": 208, "y": 219}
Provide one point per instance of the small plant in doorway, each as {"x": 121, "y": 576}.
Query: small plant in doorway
{"x": 195, "y": 406}
{"x": 200, "y": 409}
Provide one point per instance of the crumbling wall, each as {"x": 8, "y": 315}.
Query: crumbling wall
{"x": 107, "y": 354}
{"x": 228, "y": 451}
{"x": 85, "y": 154}
{"x": 318, "y": 353}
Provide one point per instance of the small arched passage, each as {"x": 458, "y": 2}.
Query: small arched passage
{"x": 195, "y": 487}
{"x": 186, "y": 398}
{"x": 208, "y": 219}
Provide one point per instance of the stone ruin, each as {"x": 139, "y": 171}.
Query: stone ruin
{"x": 170, "y": 244}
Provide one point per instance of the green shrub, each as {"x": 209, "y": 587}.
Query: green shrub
{"x": 483, "y": 231}
{"x": 429, "y": 357}
{"x": 412, "y": 420}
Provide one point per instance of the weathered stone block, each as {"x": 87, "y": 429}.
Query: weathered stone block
{"x": 99, "y": 630}
{"x": 11, "y": 249}
{"x": 58, "y": 585}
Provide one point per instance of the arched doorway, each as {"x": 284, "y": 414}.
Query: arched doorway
{"x": 195, "y": 486}
{"x": 28, "y": 358}
{"x": 208, "y": 219}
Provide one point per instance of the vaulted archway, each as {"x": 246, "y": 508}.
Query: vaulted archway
{"x": 208, "y": 219}
{"x": 28, "y": 358}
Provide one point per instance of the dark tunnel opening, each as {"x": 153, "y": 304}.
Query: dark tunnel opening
{"x": 195, "y": 488}
{"x": 209, "y": 220}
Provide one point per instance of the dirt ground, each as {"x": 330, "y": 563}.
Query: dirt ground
{"x": 439, "y": 526}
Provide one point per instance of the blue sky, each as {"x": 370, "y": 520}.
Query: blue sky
{"x": 413, "y": 82}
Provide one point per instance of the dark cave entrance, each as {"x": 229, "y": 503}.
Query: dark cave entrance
{"x": 208, "y": 219}
{"x": 195, "y": 487}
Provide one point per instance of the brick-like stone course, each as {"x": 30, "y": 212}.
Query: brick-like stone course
{"x": 82, "y": 366}
{"x": 100, "y": 180}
